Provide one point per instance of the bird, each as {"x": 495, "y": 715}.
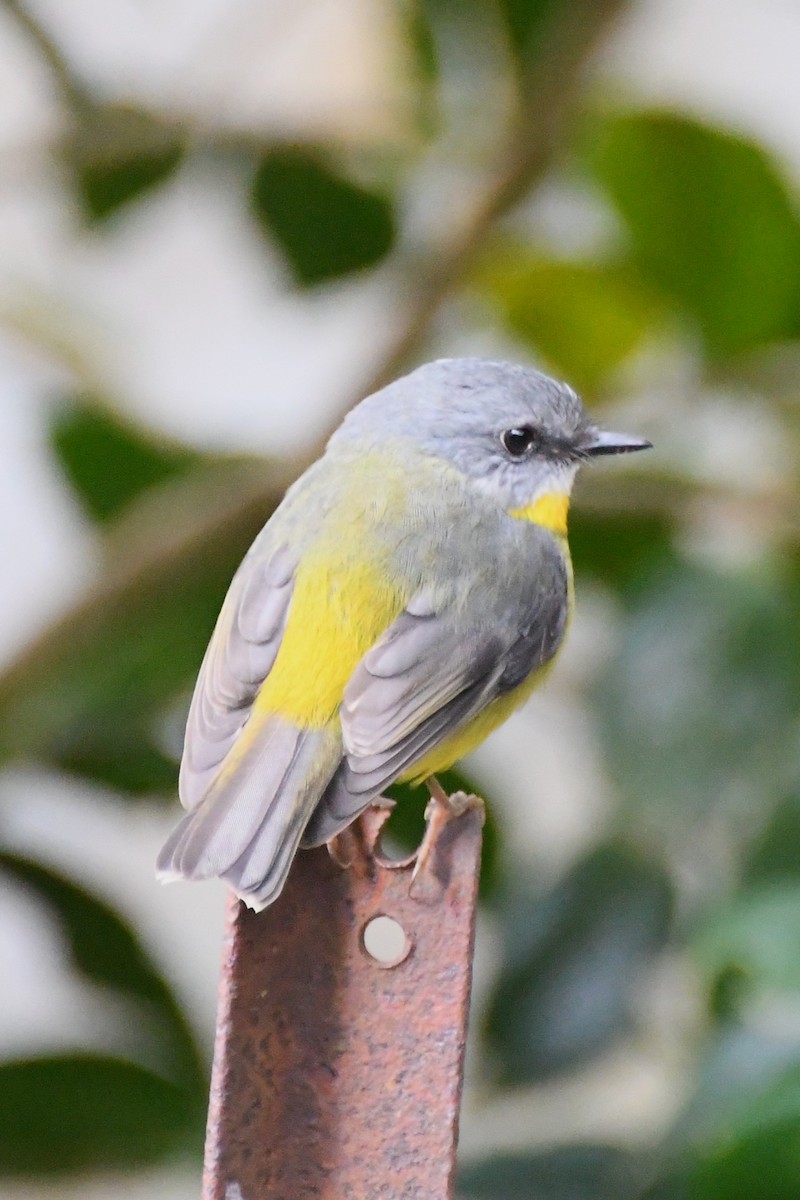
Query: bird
{"x": 410, "y": 591}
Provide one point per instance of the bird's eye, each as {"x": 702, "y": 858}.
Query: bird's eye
{"x": 520, "y": 440}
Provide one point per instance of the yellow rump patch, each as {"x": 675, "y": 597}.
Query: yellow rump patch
{"x": 339, "y": 610}
{"x": 550, "y": 510}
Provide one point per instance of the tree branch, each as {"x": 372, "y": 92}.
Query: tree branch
{"x": 73, "y": 92}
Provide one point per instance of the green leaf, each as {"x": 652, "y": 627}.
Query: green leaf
{"x": 107, "y": 460}
{"x": 107, "y": 186}
{"x": 117, "y": 153}
{"x": 576, "y": 1172}
{"x": 326, "y": 225}
{"x": 407, "y": 824}
{"x": 571, "y": 961}
{"x": 583, "y": 319}
{"x": 107, "y": 952}
{"x": 710, "y": 222}
{"x": 80, "y": 1112}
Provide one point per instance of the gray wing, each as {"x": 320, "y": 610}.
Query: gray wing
{"x": 239, "y": 657}
{"x": 247, "y": 812}
{"x": 430, "y": 674}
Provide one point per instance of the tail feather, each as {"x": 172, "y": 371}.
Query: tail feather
{"x": 248, "y": 826}
{"x": 215, "y": 833}
{"x": 259, "y": 875}
{"x": 337, "y": 808}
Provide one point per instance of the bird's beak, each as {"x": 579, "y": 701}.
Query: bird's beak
{"x": 602, "y": 441}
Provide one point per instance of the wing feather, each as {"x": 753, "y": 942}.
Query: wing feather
{"x": 412, "y": 672}
{"x": 239, "y": 657}
{"x": 432, "y": 672}
{"x": 247, "y": 828}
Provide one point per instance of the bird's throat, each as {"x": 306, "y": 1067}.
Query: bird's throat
{"x": 549, "y": 510}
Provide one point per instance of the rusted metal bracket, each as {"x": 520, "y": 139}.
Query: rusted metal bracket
{"x": 338, "y": 1075}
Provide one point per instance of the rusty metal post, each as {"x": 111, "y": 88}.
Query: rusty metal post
{"x": 337, "y": 1076}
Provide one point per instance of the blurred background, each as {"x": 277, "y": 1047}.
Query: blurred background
{"x": 222, "y": 222}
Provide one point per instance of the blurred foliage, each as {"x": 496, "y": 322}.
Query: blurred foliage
{"x": 775, "y": 854}
{"x": 108, "y": 463}
{"x": 106, "y": 952}
{"x": 70, "y": 1112}
{"x": 91, "y": 692}
{"x": 599, "y": 1172}
{"x": 620, "y": 550}
{"x": 543, "y": 302}
{"x": 720, "y": 727}
{"x": 116, "y": 153}
{"x": 738, "y": 1135}
{"x": 529, "y": 23}
{"x": 709, "y": 221}
{"x": 326, "y": 225}
{"x": 695, "y": 872}
{"x": 74, "y": 1112}
{"x": 572, "y": 958}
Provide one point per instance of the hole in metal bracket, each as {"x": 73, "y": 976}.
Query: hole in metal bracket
{"x": 385, "y": 941}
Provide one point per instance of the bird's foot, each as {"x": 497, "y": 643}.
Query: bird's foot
{"x": 355, "y": 846}
{"x": 441, "y": 811}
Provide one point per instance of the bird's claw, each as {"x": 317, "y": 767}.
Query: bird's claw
{"x": 356, "y": 846}
{"x": 428, "y": 880}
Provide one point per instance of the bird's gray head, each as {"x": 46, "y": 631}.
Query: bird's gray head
{"x": 516, "y": 432}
